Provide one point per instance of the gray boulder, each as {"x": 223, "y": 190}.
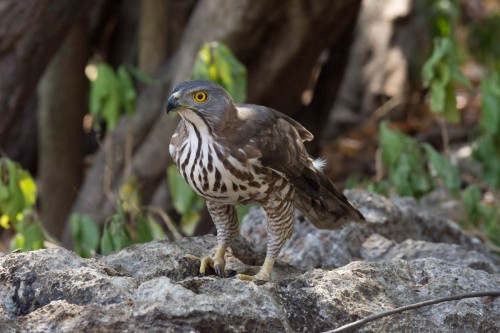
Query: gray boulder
{"x": 398, "y": 219}
{"x": 401, "y": 256}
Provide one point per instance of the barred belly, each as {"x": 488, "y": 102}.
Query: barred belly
{"x": 214, "y": 174}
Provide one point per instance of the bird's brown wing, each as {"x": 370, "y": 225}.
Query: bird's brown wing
{"x": 278, "y": 141}
{"x": 274, "y": 138}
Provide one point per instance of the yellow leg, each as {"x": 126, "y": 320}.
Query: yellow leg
{"x": 217, "y": 262}
{"x": 264, "y": 273}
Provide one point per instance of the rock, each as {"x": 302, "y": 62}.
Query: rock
{"x": 55, "y": 290}
{"x": 398, "y": 219}
{"x": 155, "y": 287}
{"x": 321, "y": 300}
{"x": 32, "y": 280}
{"x": 442, "y": 202}
{"x": 377, "y": 248}
{"x": 61, "y": 316}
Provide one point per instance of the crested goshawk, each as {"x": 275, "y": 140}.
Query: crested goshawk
{"x": 241, "y": 153}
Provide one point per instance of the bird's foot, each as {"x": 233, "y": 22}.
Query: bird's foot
{"x": 218, "y": 266}
{"x": 254, "y": 278}
{"x": 217, "y": 262}
{"x": 264, "y": 273}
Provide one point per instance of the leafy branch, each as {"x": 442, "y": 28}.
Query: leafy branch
{"x": 17, "y": 199}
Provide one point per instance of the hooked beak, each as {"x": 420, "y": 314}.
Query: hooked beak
{"x": 173, "y": 102}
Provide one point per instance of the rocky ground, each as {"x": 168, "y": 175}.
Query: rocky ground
{"x": 324, "y": 279}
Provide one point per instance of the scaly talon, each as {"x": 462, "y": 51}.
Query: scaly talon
{"x": 244, "y": 277}
{"x": 256, "y": 277}
{"x": 191, "y": 257}
{"x": 218, "y": 263}
{"x": 219, "y": 270}
{"x": 205, "y": 262}
{"x": 264, "y": 273}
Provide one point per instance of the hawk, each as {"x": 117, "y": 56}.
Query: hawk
{"x": 241, "y": 153}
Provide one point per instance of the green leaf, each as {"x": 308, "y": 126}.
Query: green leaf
{"x": 98, "y": 90}
{"x": 129, "y": 195}
{"x": 183, "y": 196}
{"x": 442, "y": 168}
{"x": 459, "y": 77}
{"x": 189, "y": 221}
{"x": 488, "y": 153}
{"x": 492, "y": 224}
{"x": 110, "y": 111}
{"x": 402, "y": 158}
{"x": 401, "y": 174}
{"x": 110, "y": 93}
{"x": 431, "y": 68}
{"x": 4, "y": 222}
{"x": 487, "y": 150}
{"x": 144, "y": 233}
{"x": 107, "y": 245}
{"x": 241, "y": 211}
{"x": 471, "y": 198}
{"x": 440, "y": 72}
{"x": 451, "y": 113}
{"x": 127, "y": 91}
{"x": 18, "y": 242}
{"x": 156, "y": 229}
{"x": 29, "y": 235}
{"x": 442, "y": 16}
{"x": 104, "y": 96}
{"x": 17, "y": 189}
{"x": 216, "y": 62}
{"x": 438, "y": 97}
{"x": 16, "y": 200}
{"x": 28, "y": 188}
{"x": 391, "y": 144}
{"x": 34, "y": 238}
{"x": 490, "y": 107}
{"x": 116, "y": 235}
{"x": 86, "y": 235}
{"x": 4, "y": 192}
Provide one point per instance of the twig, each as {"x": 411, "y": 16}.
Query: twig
{"x": 129, "y": 148}
{"x": 108, "y": 168}
{"x": 361, "y": 322}
{"x": 166, "y": 219}
{"x": 384, "y": 109}
{"x": 379, "y": 166}
{"x": 445, "y": 137}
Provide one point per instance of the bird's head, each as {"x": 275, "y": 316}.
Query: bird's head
{"x": 201, "y": 101}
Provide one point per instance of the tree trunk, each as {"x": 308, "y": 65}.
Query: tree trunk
{"x": 30, "y": 32}
{"x": 280, "y": 46}
{"x": 389, "y": 49}
{"x": 314, "y": 116}
{"x": 152, "y": 35}
{"x": 62, "y": 105}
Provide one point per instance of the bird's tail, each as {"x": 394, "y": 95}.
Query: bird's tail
{"x": 324, "y": 205}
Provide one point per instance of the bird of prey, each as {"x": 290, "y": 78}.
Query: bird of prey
{"x": 241, "y": 153}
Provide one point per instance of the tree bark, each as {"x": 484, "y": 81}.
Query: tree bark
{"x": 152, "y": 35}
{"x": 389, "y": 49}
{"x": 314, "y": 116}
{"x": 30, "y": 32}
{"x": 279, "y": 45}
{"x": 62, "y": 105}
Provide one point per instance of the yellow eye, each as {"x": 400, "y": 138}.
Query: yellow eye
{"x": 200, "y": 96}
